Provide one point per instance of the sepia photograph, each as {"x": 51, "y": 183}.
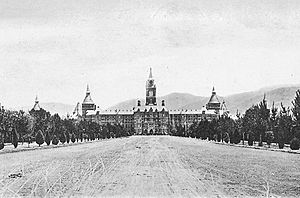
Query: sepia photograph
{"x": 150, "y": 98}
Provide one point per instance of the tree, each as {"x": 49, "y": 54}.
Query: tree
{"x": 47, "y": 138}
{"x": 249, "y": 123}
{"x": 226, "y": 137}
{"x": 15, "y": 138}
{"x": 180, "y": 130}
{"x": 236, "y": 137}
{"x": 239, "y": 123}
{"x": 270, "y": 137}
{"x": 67, "y": 137}
{"x": 263, "y": 119}
{"x": 285, "y": 122}
{"x": 41, "y": 120}
{"x": 274, "y": 121}
{"x": 56, "y": 125}
{"x": 81, "y": 137}
{"x": 28, "y": 138}
{"x": 62, "y": 138}
{"x": 250, "y": 139}
{"x": 39, "y": 138}
{"x": 295, "y": 144}
{"x": 296, "y": 107}
{"x": 73, "y": 138}
{"x": 213, "y": 130}
{"x": 22, "y": 124}
{"x": 55, "y": 140}
{"x": 1, "y": 142}
{"x": 226, "y": 127}
{"x": 296, "y": 131}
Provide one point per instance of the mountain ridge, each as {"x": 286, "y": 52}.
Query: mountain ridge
{"x": 176, "y": 100}
{"x": 240, "y": 101}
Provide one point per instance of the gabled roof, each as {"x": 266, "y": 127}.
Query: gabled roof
{"x": 150, "y": 107}
{"x": 214, "y": 97}
{"x": 36, "y": 106}
{"x": 88, "y": 98}
{"x": 76, "y": 111}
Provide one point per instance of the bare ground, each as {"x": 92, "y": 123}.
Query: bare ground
{"x": 150, "y": 166}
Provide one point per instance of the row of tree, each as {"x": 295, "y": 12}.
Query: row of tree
{"x": 42, "y": 127}
{"x": 258, "y": 124}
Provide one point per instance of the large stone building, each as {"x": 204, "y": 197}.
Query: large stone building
{"x": 152, "y": 117}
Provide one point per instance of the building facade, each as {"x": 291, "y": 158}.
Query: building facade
{"x": 153, "y": 117}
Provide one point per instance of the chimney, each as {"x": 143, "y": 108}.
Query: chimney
{"x": 163, "y": 103}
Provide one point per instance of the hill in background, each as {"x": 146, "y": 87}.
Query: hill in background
{"x": 241, "y": 101}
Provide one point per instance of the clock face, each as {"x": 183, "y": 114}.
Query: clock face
{"x": 150, "y": 93}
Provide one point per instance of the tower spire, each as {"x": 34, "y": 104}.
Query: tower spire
{"x": 36, "y": 106}
{"x": 88, "y": 89}
{"x": 150, "y": 90}
{"x": 36, "y": 99}
{"x": 87, "y": 103}
{"x": 213, "y": 90}
{"x": 150, "y": 74}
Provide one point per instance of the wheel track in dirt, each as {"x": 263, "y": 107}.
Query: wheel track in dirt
{"x": 142, "y": 166}
{"x": 88, "y": 182}
{"x": 110, "y": 173}
{"x": 196, "y": 187}
{"x": 208, "y": 167}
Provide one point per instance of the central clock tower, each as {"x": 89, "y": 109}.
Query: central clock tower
{"x": 150, "y": 90}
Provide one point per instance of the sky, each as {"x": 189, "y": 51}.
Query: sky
{"x": 54, "y": 48}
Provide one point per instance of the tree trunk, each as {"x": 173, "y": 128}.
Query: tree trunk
{"x": 260, "y": 140}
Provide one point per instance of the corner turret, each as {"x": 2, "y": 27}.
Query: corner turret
{"x": 36, "y": 106}
{"x": 87, "y": 103}
{"x": 150, "y": 90}
{"x": 213, "y": 103}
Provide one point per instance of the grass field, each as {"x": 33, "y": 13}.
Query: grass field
{"x": 144, "y": 166}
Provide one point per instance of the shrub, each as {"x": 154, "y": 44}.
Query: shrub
{"x": 55, "y": 140}
{"x": 219, "y": 137}
{"x": 296, "y": 131}
{"x": 62, "y": 138}
{"x": 236, "y": 137}
{"x": 39, "y": 138}
{"x": 1, "y": 144}
{"x": 85, "y": 137}
{"x": 250, "y": 140}
{"x": 15, "y": 138}
{"x": 281, "y": 144}
{"x": 226, "y": 137}
{"x": 81, "y": 137}
{"x": 47, "y": 138}
{"x": 67, "y": 137}
{"x": 73, "y": 138}
{"x": 270, "y": 137}
{"x": 295, "y": 144}
{"x": 28, "y": 138}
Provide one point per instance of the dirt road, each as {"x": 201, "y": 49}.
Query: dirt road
{"x": 150, "y": 166}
